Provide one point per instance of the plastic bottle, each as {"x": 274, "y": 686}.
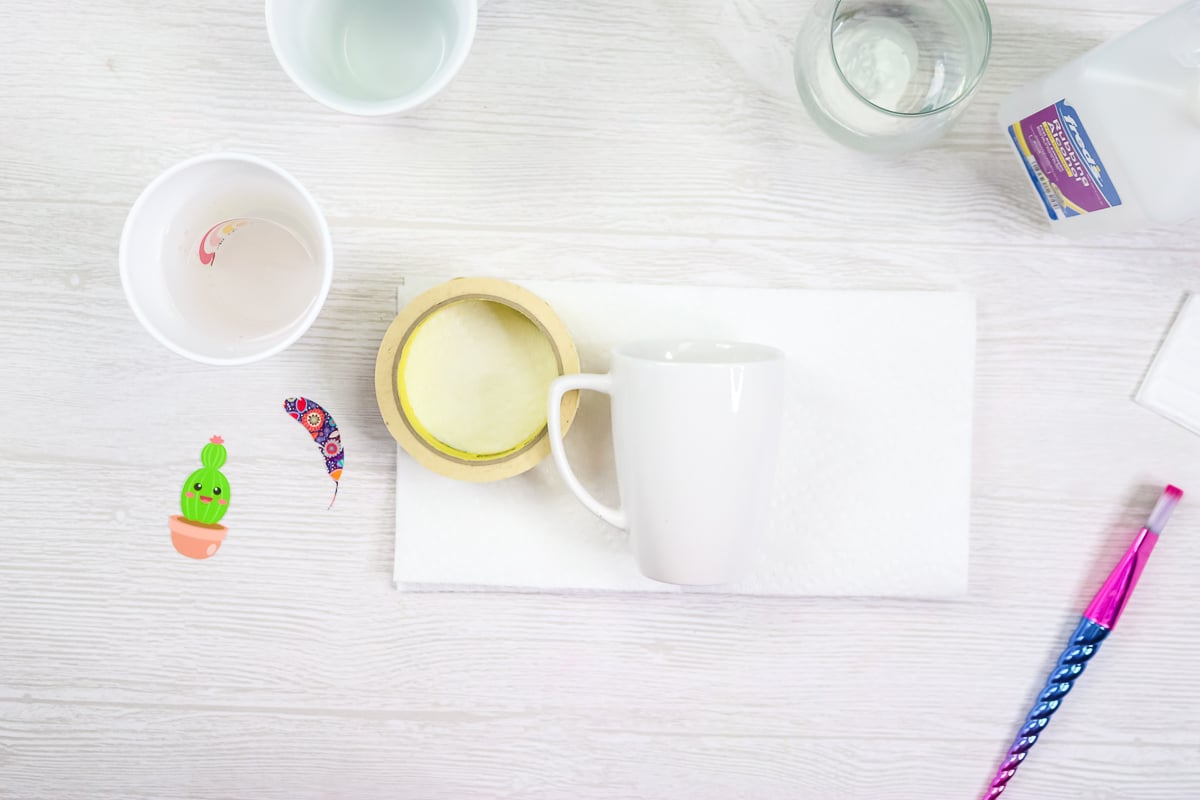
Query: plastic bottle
{"x": 1111, "y": 141}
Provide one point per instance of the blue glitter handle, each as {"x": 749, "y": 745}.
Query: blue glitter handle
{"x": 1084, "y": 644}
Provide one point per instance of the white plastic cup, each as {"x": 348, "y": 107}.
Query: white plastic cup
{"x": 268, "y": 280}
{"x": 372, "y": 57}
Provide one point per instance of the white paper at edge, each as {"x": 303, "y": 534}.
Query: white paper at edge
{"x": 1172, "y": 386}
{"x": 872, "y": 496}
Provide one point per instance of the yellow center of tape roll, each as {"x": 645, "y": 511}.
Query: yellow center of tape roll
{"x": 463, "y": 375}
{"x": 473, "y": 378}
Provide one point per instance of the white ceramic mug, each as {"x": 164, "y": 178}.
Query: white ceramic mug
{"x": 696, "y": 430}
{"x": 372, "y": 57}
{"x": 226, "y": 259}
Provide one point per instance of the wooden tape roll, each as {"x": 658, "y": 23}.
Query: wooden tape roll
{"x": 390, "y": 391}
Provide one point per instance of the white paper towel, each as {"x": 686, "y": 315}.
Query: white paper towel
{"x": 872, "y": 496}
{"x": 1172, "y": 386}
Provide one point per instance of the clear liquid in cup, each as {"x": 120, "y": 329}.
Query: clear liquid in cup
{"x": 262, "y": 279}
{"x": 906, "y": 58}
{"x": 888, "y": 76}
{"x": 382, "y": 49}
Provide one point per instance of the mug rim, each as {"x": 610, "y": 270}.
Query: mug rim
{"x": 301, "y": 326}
{"x": 379, "y": 108}
{"x": 654, "y": 351}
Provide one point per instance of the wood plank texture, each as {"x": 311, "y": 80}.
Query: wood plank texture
{"x": 657, "y": 141}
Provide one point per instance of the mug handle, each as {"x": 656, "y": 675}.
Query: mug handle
{"x": 570, "y": 383}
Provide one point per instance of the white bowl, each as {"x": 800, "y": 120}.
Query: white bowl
{"x": 372, "y": 57}
{"x": 269, "y": 282}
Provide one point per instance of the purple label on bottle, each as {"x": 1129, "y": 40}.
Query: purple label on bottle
{"x": 1063, "y": 163}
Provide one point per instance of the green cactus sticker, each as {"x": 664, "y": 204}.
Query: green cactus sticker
{"x": 205, "y": 496}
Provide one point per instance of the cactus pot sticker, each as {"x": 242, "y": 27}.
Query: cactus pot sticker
{"x": 196, "y": 533}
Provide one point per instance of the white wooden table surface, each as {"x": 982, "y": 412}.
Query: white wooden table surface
{"x": 652, "y": 141}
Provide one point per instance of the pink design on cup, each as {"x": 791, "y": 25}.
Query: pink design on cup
{"x": 211, "y": 241}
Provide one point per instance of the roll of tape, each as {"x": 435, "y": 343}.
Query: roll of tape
{"x": 394, "y": 390}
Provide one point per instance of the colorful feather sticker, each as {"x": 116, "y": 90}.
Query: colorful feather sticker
{"x": 324, "y": 431}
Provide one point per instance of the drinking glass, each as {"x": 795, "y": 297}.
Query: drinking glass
{"x": 891, "y": 76}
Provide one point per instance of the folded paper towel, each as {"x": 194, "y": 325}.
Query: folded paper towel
{"x": 1172, "y": 386}
{"x": 872, "y": 495}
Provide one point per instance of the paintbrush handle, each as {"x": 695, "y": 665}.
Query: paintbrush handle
{"x": 1084, "y": 644}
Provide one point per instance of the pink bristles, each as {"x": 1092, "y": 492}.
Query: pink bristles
{"x": 1162, "y": 511}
